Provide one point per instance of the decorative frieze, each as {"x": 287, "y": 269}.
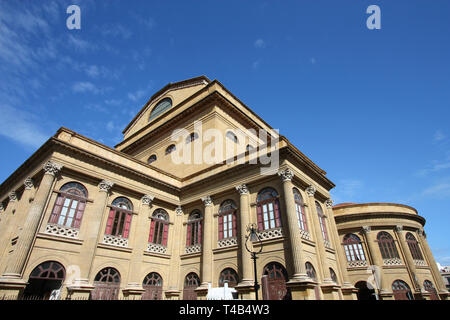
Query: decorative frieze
{"x": 207, "y": 201}
{"x": 392, "y": 262}
{"x": 270, "y": 234}
{"x": 227, "y": 242}
{"x": 420, "y": 263}
{"x": 147, "y": 200}
{"x": 311, "y": 190}
{"x": 193, "y": 249}
{"x": 115, "y": 241}
{"x": 366, "y": 229}
{"x": 305, "y": 235}
{"x": 179, "y": 211}
{"x": 286, "y": 174}
{"x": 242, "y": 189}
{"x": 357, "y": 263}
{"x": 62, "y": 231}
{"x": 105, "y": 185}
{"x": 28, "y": 183}
{"x": 399, "y": 228}
{"x": 327, "y": 244}
{"x": 329, "y": 203}
{"x": 52, "y": 168}
{"x": 156, "y": 248}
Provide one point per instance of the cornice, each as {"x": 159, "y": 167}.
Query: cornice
{"x": 340, "y": 207}
{"x": 343, "y": 218}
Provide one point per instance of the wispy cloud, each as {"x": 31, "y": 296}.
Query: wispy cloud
{"x": 85, "y": 86}
{"x": 438, "y": 190}
{"x": 347, "y": 190}
{"x": 81, "y": 44}
{"x": 116, "y": 30}
{"x": 439, "y": 136}
{"x": 140, "y": 93}
{"x": 259, "y": 43}
{"x": 256, "y": 64}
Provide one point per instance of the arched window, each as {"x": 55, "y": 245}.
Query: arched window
{"x": 45, "y": 280}
{"x": 152, "y": 285}
{"x": 387, "y": 246}
{"x": 250, "y": 148}
{"x": 107, "y": 285}
{"x": 300, "y": 207}
{"x": 171, "y": 149}
{"x": 401, "y": 290}
{"x": 268, "y": 209}
{"x": 230, "y": 276}
{"x": 274, "y": 282}
{"x": 151, "y": 159}
{"x": 413, "y": 246}
{"x": 162, "y": 106}
{"x": 69, "y": 206}
{"x": 323, "y": 226}
{"x": 48, "y": 270}
{"x": 428, "y": 286}
{"x": 353, "y": 248}
{"x": 227, "y": 220}
{"x": 119, "y": 219}
{"x": 333, "y": 276}
{"x": 191, "y": 282}
{"x": 232, "y": 137}
{"x": 159, "y": 227}
{"x": 193, "y": 136}
{"x": 194, "y": 229}
{"x": 310, "y": 271}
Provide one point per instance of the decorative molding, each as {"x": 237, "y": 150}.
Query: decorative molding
{"x": 311, "y": 190}
{"x": 286, "y": 174}
{"x": 242, "y": 189}
{"x": 193, "y": 249}
{"x": 399, "y": 228}
{"x": 147, "y": 200}
{"x": 28, "y": 183}
{"x": 227, "y": 242}
{"x": 62, "y": 231}
{"x": 392, "y": 262}
{"x": 366, "y": 229}
{"x": 207, "y": 201}
{"x": 329, "y": 203}
{"x": 105, "y": 185}
{"x": 115, "y": 241}
{"x": 270, "y": 234}
{"x": 179, "y": 211}
{"x": 52, "y": 168}
{"x": 357, "y": 263}
{"x": 12, "y": 196}
{"x": 327, "y": 244}
{"x": 420, "y": 263}
{"x": 305, "y": 235}
{"x": 156, "y": 248}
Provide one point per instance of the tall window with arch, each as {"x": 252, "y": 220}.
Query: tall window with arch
{"x": 311, "y": 273}
{"x": 413, "y": 246}
{"x": 227, "y": 220}
{"x": 387, "y": 246}
{"x": 194, "y": 229}
{"x": 69, "y": 206}
{"x": 268, "y": 209}
{"x": 353, "y": 248}
{"x": 229, "y": 276}
{"x": 119, "y": 219}
{"x": 322, "y": 222}
{"x": 159, "y": 227}
{"x": 300, "y": 207}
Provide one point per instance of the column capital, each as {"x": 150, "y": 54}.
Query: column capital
{"x": 329, "y": 203}
{"x": 105, "y": 185}
{"x": 242, "y": 189}
{"x": 399, "y": 228}
{"x": 366, "y": 229}
{"x": 311, "y": 190}
{"x": 52, "y": 168}
{"x": 28, "y": 183}
{"x": 207, "y": 201}
{"x": 421, "y": 232}
{"x": 179, "y": 211}
{"x": 286, "y": 174}
{"x": 147, "y": 199}
{"x": 12, "y": 196}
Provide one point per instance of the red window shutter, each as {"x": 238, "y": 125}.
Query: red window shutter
{"x": 109, "y": 224}
{"x": 324, "y": 228}
{"x": 277, "y": 213}
{"x": 57, "y": 209}
{"x": 234, "y": 224}
{"x": 165, "y": 234}
{"x": 79, "y": 214}
{"x": 303, "y": 213}
{"x": 127, "y": 225}
{"x": 199, "y": 232}
{"x": 220, "y": 227}
{"x": 260, "y": 217}
{"x": 188, "y": 234}
{"x": 152, "y": 231}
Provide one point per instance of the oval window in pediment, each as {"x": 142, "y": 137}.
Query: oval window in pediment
{"x": 161, "y": 107}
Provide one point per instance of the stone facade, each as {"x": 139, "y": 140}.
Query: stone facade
{"x": 118, "y": 225}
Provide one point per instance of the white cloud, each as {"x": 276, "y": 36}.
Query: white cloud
{"x": 256, "y": 64}
{"x": 80, "y": 44}
{"x": 260, "y": 43}
{"x": 438, "y": 190}
{"x": 439, "y": 136}
{"x": 347, "y": 190}
{"x": 20, "y": 126}
{"x": 85, "y": 86}
{"x": 138, "y": 94}
{"x": 116, "y": 30}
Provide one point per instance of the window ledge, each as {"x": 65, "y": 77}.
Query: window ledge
{"x": 113, "y": 247}
{"x": 59, "y": 238}
{"x": 159, "y": 255}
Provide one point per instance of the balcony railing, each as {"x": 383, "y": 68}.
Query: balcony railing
{"x": 156, "y": 248}
{"x": 62, "y": 231}
{"x": 115, "y": 241}
{"x": 270, "y": 234}
{"x": 357, "y": 263}
{"x": 227, "y": 242}
{"x": 193, "y": 249}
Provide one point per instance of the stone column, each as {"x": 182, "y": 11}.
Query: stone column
{"x": 134, "y": 288}
{"x": 410, "y": 265}
{"x": 439, "y": 281}
{"x": 174, "y": 289}
{"x": 374, "y": 252}
{"x": 348, "y": 290}
{"x": 320, "y": 246}
{"x": 18, "y": 259}
{"x": 92, "y": 236}
{"x": 207, "y": 256}
{"x": 245, "y": 286}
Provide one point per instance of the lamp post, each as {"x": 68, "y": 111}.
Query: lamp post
{"x": 253, "y": 237}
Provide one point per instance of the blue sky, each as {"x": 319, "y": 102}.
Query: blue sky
{"x": 371, "y": 107}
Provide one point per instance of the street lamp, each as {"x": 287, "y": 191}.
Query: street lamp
{"x": 253, "y": 237}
